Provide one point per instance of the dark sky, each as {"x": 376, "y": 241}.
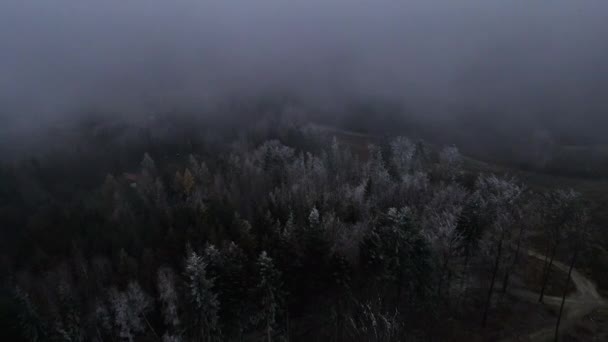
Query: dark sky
{"x": 543, "y": 62}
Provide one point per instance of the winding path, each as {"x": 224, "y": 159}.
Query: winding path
{"x": 583, "y": 301}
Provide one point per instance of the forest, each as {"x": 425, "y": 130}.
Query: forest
{"x": 303, "y": 170}
{"x": 277, "y": 232}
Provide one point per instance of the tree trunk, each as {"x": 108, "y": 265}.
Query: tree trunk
{"x": 467, "y": 256}
{"x": 151, "y": 328}
{"x": 399, "y": 287}
{"x": 287, "y": 324}
{"x": 561, "y": 308}
{"x": 338, "y": 312}
{"x": 494, "y": 273}
{"x": 546, "y": 261}
{"x": 448, "y": 287}
{"x": 268, "y": 331}
{"x": 442, "y": 275}
{"x": 547, "y": 274}
{"x": 505, "y": 282}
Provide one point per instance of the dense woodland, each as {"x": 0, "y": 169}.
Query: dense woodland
{"x": 283, "y": 234}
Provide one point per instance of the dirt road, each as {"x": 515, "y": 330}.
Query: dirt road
{"x": 583, "y": 301}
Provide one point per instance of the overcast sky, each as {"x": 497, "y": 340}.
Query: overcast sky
{"x": 544, "y": 60}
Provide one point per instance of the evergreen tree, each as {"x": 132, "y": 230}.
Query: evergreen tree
{"x": 168, "y": 298}
{"x": 204, "y": 304}
{"x": 129, "y": 309}
{"x": 68, "y": 325}
{"x": 31, "y": 324}
{"x": 271, "y": 298}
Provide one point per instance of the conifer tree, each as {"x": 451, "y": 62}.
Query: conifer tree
{"x": 31, "y": 324}
{"x": 204, "y": 304}
{"x": 129, "y": 309}
{"x": 68, "y": 325}
{"x": 270, "y": 292}
{"x": 168, "y": 298}
{"x": 402, "y": 154}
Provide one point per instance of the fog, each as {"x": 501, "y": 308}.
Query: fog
{"x": 505, "y": 62}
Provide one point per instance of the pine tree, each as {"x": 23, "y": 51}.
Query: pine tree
{"x": 129, "y": 309}
{"x": 188, "y": 182}
{"x": 269, "y": 289}
{"x": 369, "y": 322}
{"x": 398, "y": 255}
{"x": 314, "y": 217}
{"x": 168, "y": 298}
{"x": 470, "y": 226}
{"x": 450, "y": 163}
{"x": 233, "y": 283}
{"x": 204, "y": 304}
{"x": 341, "y": 279}
{"x": 445, "y": 240}
{"x": 31, "y": 324}
{"x": 148, "y": 165}
{"x": 139, "y": 304}
{"x": 68, "y": 325}
{"x": 146, "y": 181}
{"x": 402, "y": 154}
{"x": 120, "y": 312}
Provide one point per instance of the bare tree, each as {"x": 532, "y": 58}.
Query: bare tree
{"x": 499, "y": 196}
{"x": 518, "y": 211}
{"x": 445, "y": 239}
{"x": 500, "y": 231}
{"x": 578, "y": 237}
{"x": 560, "y": 212}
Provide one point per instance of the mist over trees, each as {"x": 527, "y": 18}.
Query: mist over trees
{"x": 333, "y": 170}
{"x": 465, "y": 71}
{"x": 274, "y": 234}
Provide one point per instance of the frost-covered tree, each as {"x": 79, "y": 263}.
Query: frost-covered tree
{"x": 271, "y": 157}
{"x": 450, "y": 163}
{"x": 68, "y": 322}
{"x": 199, "y": 170}
{"x": 578, "y": 237}
{"x": 188, "y": 182}
{"x": 233, "y": 284}
{"x": 314, "y": 218}
{"x": 30, "y": 324}
{"x": 128, "y": 309}
{"x": 415, "y": 189}
{"x": 171, "y": 338}
{"x": 445, "y": 239}
{"x": 148, "y": 165}
{"x": 471, "y": 226}
{"x": 378, "y": 177}
{"x": 402, "y": 155}
{"x": 120, "y": 312}
{"x": 326, "y": 210}
{"x": 368, "y": 322}
{"x": 526, "y": 214}
{"x": 398, "y": 255}
{"x": 498, "y": 199}
{"x": 342, "y": 281}
{"x": 204, "y": 305}
{"x": 168, "y": 298}
{"x": 270, "y": 295}
{"x": 561, "y": 213}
